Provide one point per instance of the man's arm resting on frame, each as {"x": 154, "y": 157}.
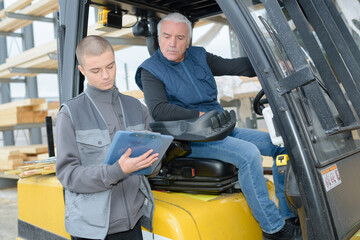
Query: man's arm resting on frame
{"x": 157, "y": 102}
{"x": 69, "y": 171}
{"x": 236, "y": 67}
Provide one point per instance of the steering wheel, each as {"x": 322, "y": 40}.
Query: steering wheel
{"x": 259, "y": 104}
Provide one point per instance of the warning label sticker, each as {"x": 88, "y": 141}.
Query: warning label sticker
{"x": 331, "y": 177}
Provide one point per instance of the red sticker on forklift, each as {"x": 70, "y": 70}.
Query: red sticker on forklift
{"x": 331, "y": 177}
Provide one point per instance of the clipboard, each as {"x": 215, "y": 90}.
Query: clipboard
{"x": 140, "y": 143}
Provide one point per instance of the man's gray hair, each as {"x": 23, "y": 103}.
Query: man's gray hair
{"x": 92, "y": 46}
{"x": 178, "y": 18}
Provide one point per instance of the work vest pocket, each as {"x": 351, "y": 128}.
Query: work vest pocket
{"x": 87, "y": 209}
{"x": 93, "y": 146}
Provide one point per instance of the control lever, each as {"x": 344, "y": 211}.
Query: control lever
{"x": 214, "y": 122}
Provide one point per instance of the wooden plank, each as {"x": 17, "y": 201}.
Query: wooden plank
{"x": 13, "y": 75}
{"x": 30, "y": 158}
{"x": 22, "y": 103}
{"x": 31, "y": 54}
{"x": 33, "y": 169}
{"x": 34, "y": 149}
{"x": 12, "y": 156}
{"x": 30, "y": 173}
{"x": 42, "y": 156}
{"x": 41, "y": 62}
{"x": 40, "y": 8}
{"x": 19, "y": 4}
{"x": 16, "y": 118}
{"x": 10, "y": 164}
{"x": 5, "y": 151}
{"x": 28, "y": 149}
{"x": 15, "y": 109}
{"x": 39, "y": 116}
{"x": 24, "y": 117}
{"x": 11, "y": 174}
{"x": 46, "y": 106}
{"x": 38, "y": 57}
{"x": 136, "y": 93}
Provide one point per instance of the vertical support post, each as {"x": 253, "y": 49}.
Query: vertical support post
{"x": 71, "y": 82}
{"x": 235, "y": 47}
{"x": 5, "y": 87}
{"x": 55, "y": 15}
{"x": 31, "y": 82}
{"x": 50, "y": 136}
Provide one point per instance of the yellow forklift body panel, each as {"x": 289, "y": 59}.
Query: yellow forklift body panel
{"x": 41, "y": 203}
{"x": 190, "y": 216}
{"x": 177, "y": 215}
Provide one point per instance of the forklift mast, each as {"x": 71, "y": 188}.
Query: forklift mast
{"x": 308, "y": 65}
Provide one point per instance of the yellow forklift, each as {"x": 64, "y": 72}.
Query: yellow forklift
{"x": 308, "y": 65}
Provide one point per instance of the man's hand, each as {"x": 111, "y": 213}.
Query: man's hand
{"x": 129, "y": 165}
{"x": 201, "y": 113}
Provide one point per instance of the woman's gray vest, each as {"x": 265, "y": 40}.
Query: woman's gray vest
{"x": 87, "y": 215}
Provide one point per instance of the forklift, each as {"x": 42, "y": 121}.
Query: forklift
{"x": 308, "y": 65}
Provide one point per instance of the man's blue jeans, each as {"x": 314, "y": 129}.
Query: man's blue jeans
{"x": 243, "y": 148}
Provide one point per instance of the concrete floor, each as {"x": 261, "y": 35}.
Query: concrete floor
{"x": 8, "y": 213}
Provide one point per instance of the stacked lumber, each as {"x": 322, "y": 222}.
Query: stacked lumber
{"x": 40, "y": 8}
{"x": 14, "y": 7}
{"x": 32, "y": 110}
{"x": 44, "y": 167}
{"x": 52, "y": 108}
{"x": 12, "y": 157}
{"x": 37, "y": 57}
{"x": 36, "y": 169}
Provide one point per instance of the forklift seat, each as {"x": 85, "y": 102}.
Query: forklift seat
{"x": 195, "y": 175}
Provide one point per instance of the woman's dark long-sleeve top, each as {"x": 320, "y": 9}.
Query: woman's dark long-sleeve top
{"x": 155, "y": 93}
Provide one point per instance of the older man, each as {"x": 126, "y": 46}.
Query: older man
{"x": 178, "y": 83}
